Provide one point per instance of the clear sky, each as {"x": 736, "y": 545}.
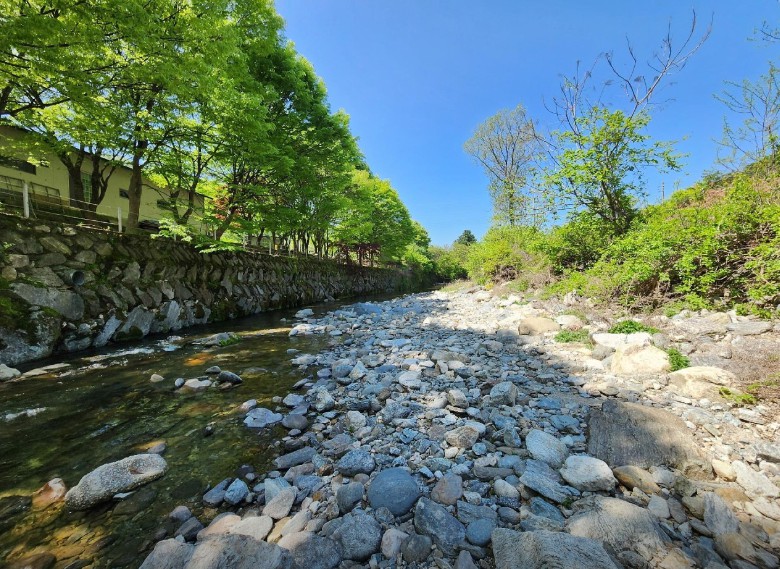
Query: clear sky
{"x": 418, "y": 76}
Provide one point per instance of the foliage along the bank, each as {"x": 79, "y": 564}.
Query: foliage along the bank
{"x": 205, "y": 97}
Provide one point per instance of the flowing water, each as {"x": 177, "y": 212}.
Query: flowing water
{"x": 102, "y": 407}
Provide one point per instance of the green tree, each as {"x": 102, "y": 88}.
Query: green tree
{"x": 506, "y": 145}
{"x": 466, "y": 238}
{"x": 600, "y": 165}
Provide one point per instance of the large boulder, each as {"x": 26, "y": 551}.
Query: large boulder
{"x": 311, "y": 551}
{"x": 618, "y": 525}
{"x": 700, "y": 381}
{"x": 614, "y": 341}
{"x": 535, "y": 325}
{"x": 547, "y": 550}
{"x": 632, "y": 434}
{"x": 65, "y": 302}
{"x": 636, "y": 359}
{"x": 235, "y": 551}
{"x": 115, "y": 477}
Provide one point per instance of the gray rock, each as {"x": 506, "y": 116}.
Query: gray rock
{"x": 229, "y": 377}
{"x": 180, "y": 514}
{"x": 618, "y": 525}
{"x": 260, "y": 417}
{"x": 749, "y": 328}
{"x": 359, "y": 536}
{"x": 216, "y": 495}
{"x": 256, "y": 527}
{"x": 295, "y": 421}
{"x": 754, "y": 483}
{"x": 348, "y": 496}
{"x": 631, "y": 434}
{"x": 542, "y": 481}
{"x": 462, "y": 437}
{"x": 394, "y": 489}
{"x": 436, "y": 522}
{"x": 588, "y": 474}
{"x": 546, "y": 448}
{"x": 457, "y": 398}
{"x": 544, "y": 509}
{"x": 417, "y": 548}
{"x": 189, "y": 529}
{"x": 565, "y": 423}
{"x": 323, "y": 401}
{"x": 464, "y": 561}
{"x": 7, "y": 373}
{"x": 236, "y": 551}
{"x": 281, "y": 504}
{"x": 109, "y": 479}
{"x": 768, "y": 451}
{"x": 273, "y": 486}
{"x": 294, "y": 458}
{"x": 310, "y": 551}
{"x": 356, "y": 461}
{"x": 65, "y": 302}
{"x": 392, "y": 541}
{"x": 470, "y": 513}
{"x": 504, "y": 393}
{"x": 547, "y": 550}
{"x": 478, "y": 532}
{"x": 292, "y": 400}
{"x": 169, "y": 554}
{"x": 236, "y": 492}
{"x": 448, "y": 490}
{"x": 639, "y": 360}
{"x": 137, "y": 324}
{"x": 634, "y": 477}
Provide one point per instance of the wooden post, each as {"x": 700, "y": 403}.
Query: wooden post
{"x": 119, "y": 218}
{"x": 26, "y": 199}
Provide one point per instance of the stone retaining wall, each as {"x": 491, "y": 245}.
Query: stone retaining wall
{"x": 65, "y": 288}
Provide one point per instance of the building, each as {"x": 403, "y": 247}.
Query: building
{"x": 48, "y": 188}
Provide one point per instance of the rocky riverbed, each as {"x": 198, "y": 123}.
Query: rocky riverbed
{"x": 453, "y": 430}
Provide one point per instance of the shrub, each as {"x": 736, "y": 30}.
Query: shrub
{"x": 677, "y": 360}
{"x": 569, "y": 336}
{"x": 631, "y": 327}
{"x": 505, "y": 253}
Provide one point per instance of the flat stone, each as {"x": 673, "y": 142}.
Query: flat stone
{"x": 294, "y": 458}
{"x": 109, "y": 479}
{"x": 256, "y": 527}
{"x": 537, "y": 478}
{"x": 260, "y": 417}
{"x": 311, "y": 551}
{"x": 545, "y": 447}
{"x": 753, "y": 482}
{"x": 358, "y": 461}
{"x": 281, "y": 504}
{"x": 631, "y": 434}
{"x": 436, "y": 522}
{"x": 535, "y": 325}
{"x": 618, "y": 525}
{"x": 235, "y": 551}
{"x": 718, "y": 516}
{"x": 547, "y": 550}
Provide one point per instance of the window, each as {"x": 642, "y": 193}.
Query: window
{"x": 124, "y": 194}
{"x": 86, "y": 183}
{"x": 21, "y": 165}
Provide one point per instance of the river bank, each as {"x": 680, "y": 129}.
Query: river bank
{"x": 452, "y": 430}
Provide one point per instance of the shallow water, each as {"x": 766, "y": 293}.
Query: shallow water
{"x": 103, "y": 407}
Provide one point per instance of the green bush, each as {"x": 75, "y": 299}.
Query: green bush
{"x": 631, "y": 327}
{"x": 569, "y": 336}
{"x": 578, "y": 244}
{"x": 505, "y": 253}
{"x": 677, "y": 360}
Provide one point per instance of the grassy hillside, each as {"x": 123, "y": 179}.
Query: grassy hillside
{"x": 716, "y": 244}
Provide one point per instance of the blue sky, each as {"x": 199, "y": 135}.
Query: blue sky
{"x": 418, "y": 76}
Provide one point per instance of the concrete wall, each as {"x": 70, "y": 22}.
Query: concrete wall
{"x": 134, "y": 285}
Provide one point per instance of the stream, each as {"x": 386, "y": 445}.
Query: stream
{"x": 102, "y": 407}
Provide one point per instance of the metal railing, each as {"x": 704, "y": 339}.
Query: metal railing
{"x": 37, "y": 201}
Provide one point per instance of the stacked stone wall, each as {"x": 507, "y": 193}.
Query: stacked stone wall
{"x": 67, "y": 288}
